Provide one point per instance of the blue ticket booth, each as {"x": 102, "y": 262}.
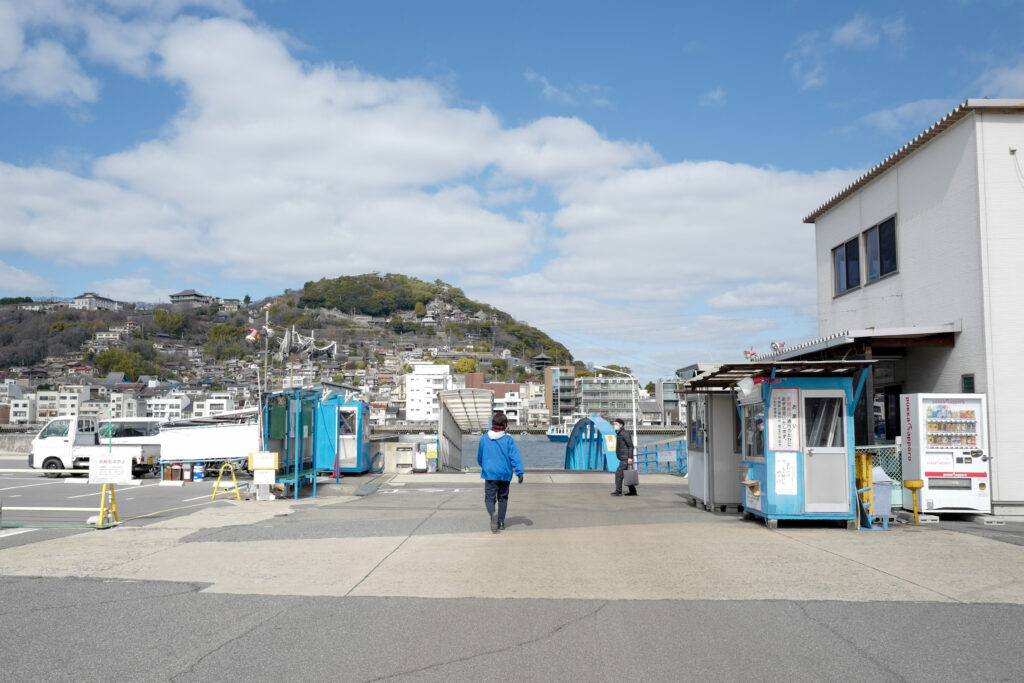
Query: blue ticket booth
{"x": 342, "y": 434}
{"x": 797, "y": 436}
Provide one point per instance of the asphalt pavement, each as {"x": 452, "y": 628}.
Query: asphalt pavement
{"x": 410, "y": 584}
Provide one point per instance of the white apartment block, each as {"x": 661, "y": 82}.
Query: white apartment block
{"x": 174, "y": 407}
{"x": 95, "y": 407}
{"x": 9, "y": 388}
{"x": 46, "y": 404}
{"x": 919, "y": 268}
{"x": 214, "y": 405}
{"x": 421, "y": 387}
{"x": 70, "y": 397}
{"x": 126, "y": 405}
{"x": 23, "y": 410}
{"x": 512, "y": 405}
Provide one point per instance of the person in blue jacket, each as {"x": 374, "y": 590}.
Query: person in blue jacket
{"x": 498, "y": 457}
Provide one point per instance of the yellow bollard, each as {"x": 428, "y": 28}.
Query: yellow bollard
{"x": 914, "y": 485}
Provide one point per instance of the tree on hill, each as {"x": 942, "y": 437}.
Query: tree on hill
{"x": 130, "y": 363}
{"x": 168, "y": 322}
{"x": 464, "y": 366}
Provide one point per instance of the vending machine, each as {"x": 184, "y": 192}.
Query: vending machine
{"x": 945, "y": 445}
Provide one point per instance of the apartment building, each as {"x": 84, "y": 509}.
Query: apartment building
{"x": 422, "y": 385}
{"x": 214, "y": 405}
{"x": 23, "y": 410}
{"x": 561, "y": 398}
{"x": 177, "y": 406}
{"x": 608, "y": 397}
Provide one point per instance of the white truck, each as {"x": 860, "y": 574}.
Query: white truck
{"x": 68, "y": 442}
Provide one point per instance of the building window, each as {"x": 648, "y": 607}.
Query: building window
{"x": 846, "y": 264}
{"x": 967, "y": 384}
{"x": 880, "y": 249}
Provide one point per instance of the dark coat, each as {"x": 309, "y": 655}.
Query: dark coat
{"x": 623, "y": 445}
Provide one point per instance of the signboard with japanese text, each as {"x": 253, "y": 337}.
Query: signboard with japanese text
{"x": 784, "y": 420}
{"x": 785, "y": 474}
{"x": 110, "y": 468}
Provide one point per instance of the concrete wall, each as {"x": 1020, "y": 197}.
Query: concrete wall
{"x": 934, "y": 196}
{"x": 16, "y": 443}
{"x": 1001, "y": 208}
{"x": 958, "y": 202}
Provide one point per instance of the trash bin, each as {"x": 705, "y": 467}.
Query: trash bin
{"x": 881, "y": 487}
{"x": 198, "y": 471}
{"x": 186, "y": 472}
{"x": 176, "y": 472}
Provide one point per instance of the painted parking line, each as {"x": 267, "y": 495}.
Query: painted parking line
{"x": 186, "y": 500}
{"x": 25, "y": 486}
{"x": 15, "y": 532}
{"x": 96, "y": 493}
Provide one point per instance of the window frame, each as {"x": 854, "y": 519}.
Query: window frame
{"x": 876, "y": 231}
{"x": 844, "y": 249}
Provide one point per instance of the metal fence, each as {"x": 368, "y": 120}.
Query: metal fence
{"x": 888, "y": 458}
{"x": 663, "y": 456}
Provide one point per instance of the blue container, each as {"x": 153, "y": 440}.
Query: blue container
{"x": 199, "y": 471}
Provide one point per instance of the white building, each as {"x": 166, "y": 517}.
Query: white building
{"x": 126, "y": 404}
{"x": 919, "y": 267}
{"x": 46, "y": 404}
{"x": 421, "y": 386}
{"x": 90, "y": 301}
{"x": 23, "y": 410}
{"x": 510, "y": 403}
{"x": 173, "y": 407}
{"x": 70, "y": 398}
{"x": 214, "y": 405}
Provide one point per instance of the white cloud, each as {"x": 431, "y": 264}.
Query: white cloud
{"x": 810, "y": 53}
{"x": 806, "y": 59}
{"x": 713, "y": 96}
{"x": 912, "y": 116}
{"x": 131, "y": 289}
{"x": 766, "y": 294}
{"x": 859, "y": 32}
{"x": 589, "y": 93}
{"x": 17, "y": 282}
{"x": 280, "y": 172}
{"x": 45, "y": 71}
{"x": 1003, "y": 81}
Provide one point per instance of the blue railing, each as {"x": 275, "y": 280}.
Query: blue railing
{"x": 663, "y": 456}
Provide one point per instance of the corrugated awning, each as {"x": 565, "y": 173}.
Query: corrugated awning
{"x": 926, "y": 335}
{"x": 470, "y": 408}
{"x": 727, "y": 375}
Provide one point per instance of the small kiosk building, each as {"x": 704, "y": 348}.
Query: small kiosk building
{"x": 796, "y": 434}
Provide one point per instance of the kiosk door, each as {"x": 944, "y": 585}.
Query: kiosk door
{"x": 826, "y": 460}
{"x": 348, "y": 438}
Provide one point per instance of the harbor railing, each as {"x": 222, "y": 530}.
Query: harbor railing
{"x": 666, "y": 456}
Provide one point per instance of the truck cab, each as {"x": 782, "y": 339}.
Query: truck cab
{"x": 67, "y": 442}
{"x": 53, "y": 446}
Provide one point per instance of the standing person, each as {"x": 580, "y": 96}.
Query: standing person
{"x": 624, "y": 452}
{"x": 498, "y": 457}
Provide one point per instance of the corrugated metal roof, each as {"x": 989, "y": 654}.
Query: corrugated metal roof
{"x": 906, "y": 150}
{"x": 850, "y": 336}
{"x": 727, "y": 375}
{"x": 470, "y": 408}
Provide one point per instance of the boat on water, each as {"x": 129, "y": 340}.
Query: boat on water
{"x": 559, "y": 432}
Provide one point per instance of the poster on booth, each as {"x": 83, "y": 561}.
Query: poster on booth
{"x": 785, "y": 474}
{"x": 784, "y": 420}
{"x": 110, "y": 468}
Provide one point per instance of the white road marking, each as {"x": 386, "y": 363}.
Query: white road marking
{"x": 15, "y": 532}
{"x": 25, "y": 486}
{"x": 185, "y": 500}
{"x": 96, "y": 493}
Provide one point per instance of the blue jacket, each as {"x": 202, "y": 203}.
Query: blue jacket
{"x": 498, "y": 456}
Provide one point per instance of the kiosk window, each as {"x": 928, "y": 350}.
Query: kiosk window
{"x": 753, "y": 432}
{"x": 346, "y": 423}
{"x": 823, "y": 422}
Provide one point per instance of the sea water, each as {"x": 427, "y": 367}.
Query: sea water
{"x": 536, "y": 450}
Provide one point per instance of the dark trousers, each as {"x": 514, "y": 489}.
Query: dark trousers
{"x": 618, "y": 478}
{"x": 496, "y": 490}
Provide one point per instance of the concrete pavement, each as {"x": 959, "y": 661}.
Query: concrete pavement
{"x": 574, "y": 564}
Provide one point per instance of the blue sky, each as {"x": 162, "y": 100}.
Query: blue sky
{"x": 629, "y": 177}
